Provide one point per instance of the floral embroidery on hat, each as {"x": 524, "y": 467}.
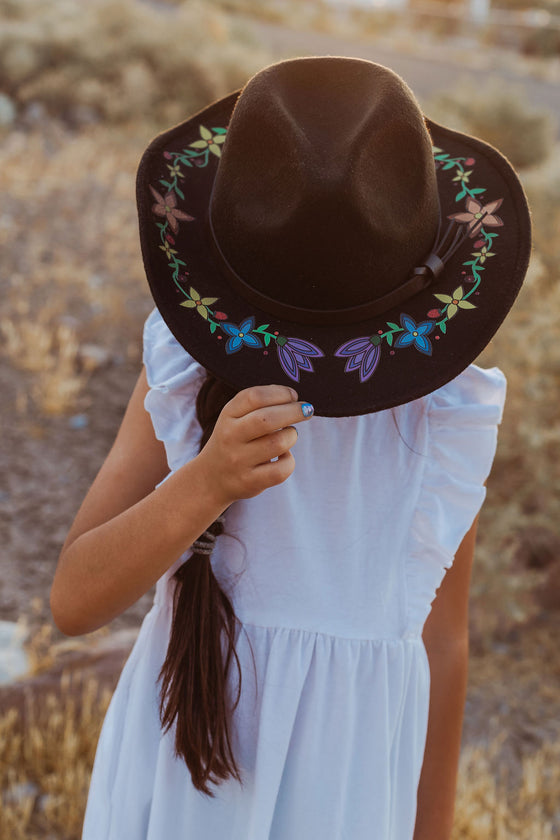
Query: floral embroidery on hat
{"x": 167, "y": 206}
{"x": 362, "y": 354}
{"x": 476, "y": 217}
{"x": 475, "y": 210}
{"x": 454, "y": 303}
{"x": 415, "y": 334}
{"x": 293, "y": 354}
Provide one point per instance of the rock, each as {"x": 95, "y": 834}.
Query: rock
{"x": 93, "y": 357}
{"x": 35, "y": 114}
{"x": 7, "y": 111}
{"x": 13, "y": 658}
{"x": 16, "y": 793}
{"x": 76, "y": 663}
{"x": 78, "y": 421}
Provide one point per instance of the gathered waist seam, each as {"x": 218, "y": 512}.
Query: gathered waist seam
{"x": 406, "y": 637}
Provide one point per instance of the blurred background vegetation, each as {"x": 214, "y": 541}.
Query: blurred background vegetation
{"x": 84, "y": 86}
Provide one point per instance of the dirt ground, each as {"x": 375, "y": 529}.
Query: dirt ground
{"x": 47, "y": 468}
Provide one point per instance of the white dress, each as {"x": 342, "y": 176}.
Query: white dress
{"x": 332, "y": 574}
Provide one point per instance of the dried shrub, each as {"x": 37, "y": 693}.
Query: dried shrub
{"x": 45, "y": 769}
{"x": 499, "y": 114}
{"x": 119, "y": 61}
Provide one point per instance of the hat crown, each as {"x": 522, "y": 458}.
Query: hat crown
{"x": 325, "y": 195}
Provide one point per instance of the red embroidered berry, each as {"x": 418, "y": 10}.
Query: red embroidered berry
{"x": 434, "y": 313}
{"x": 436, "y": 337}
{"x": 170, "y": 239}
{"x": 469, "y": 161}
{"x": 167, "y": 156}
{"x": 479, "y": 243}
{"x": 221, "y": 316}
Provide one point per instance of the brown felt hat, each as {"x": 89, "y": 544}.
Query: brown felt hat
{"x": 314, "y": 229}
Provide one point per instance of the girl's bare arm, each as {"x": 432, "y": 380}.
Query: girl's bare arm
{"x": 446, "y": 638}
{"x": 126, "y": 534}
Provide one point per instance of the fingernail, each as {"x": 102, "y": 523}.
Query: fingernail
{"x": 293, "y": 393}
{"x": 307, "y": 409}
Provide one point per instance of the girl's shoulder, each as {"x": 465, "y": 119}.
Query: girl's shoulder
{"x": 477, "y": 393}
{"x": 168, "y": 365}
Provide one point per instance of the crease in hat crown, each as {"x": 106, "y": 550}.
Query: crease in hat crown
{"x": 326, "y": 183}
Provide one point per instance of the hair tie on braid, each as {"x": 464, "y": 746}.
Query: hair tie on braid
{"x": 205, "y": 543}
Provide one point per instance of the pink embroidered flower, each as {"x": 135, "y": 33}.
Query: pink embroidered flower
{"x": 475, "y": 211}
{"x": 167, "y": 207}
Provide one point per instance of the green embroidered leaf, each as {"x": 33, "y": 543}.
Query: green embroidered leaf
{"x": 461, "y": 195}
{"x": 266, "y": 339}
{"x": 179, "y": 193}
{"x": 262, "y": 328}
{"x": 394, "y": 326}
{"x": 443, "y": 327}
{"x": 212, "y": 326}
{"x": 165, "y": 183}
{"x": 179, "y": 262}
{"x": 389, "y": 338}
{"x": 471, "y": 262}
{"x": 220, "y": 130}
{"x": 477, "y": 190}
{"x": 442, "y": 157}
{"x": 449, "y": 165}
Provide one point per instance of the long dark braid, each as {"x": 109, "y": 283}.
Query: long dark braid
{"x": 194, "y": 675}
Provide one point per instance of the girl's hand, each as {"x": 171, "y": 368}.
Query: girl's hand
{"x": 252, "y": 428}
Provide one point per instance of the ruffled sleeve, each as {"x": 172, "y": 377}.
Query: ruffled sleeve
{"x": 174, "y": 378}
{"x": 463, "y": 419}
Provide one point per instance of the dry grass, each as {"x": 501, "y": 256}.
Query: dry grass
{"x": 45, "y": 771}
{"x": 500, "y": 114}
{"x": 126, "y": 60}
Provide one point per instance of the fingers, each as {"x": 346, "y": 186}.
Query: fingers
{"x": 249, "y": 449}
{"x": 259, "y": 396}
{"x": 271, "y": 446}
{"x": 267, "y": 475}
{"x": 263, "y": 409}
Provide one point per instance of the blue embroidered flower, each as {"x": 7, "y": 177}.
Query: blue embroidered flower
{"x": 294, "y": 353}
{"x": 241, "y": 335}
{"x": 415, "y": 334}
{"x": 362, "y": 353}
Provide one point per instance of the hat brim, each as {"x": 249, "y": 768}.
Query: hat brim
{"x": 393, "y": 358}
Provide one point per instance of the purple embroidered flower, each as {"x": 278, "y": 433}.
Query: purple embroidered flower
{"x": 415, "y": 334}
{"x": 241, "y": 335}
{"x": 294, "y": 353}
{"x": 362, "y": 353}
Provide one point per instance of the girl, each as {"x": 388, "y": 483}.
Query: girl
{"x": 296, "y": 677}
